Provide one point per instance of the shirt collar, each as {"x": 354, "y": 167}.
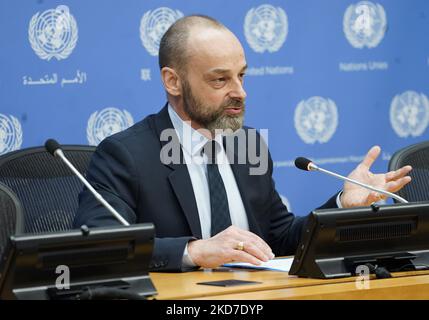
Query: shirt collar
{"x": 191, "y": 140}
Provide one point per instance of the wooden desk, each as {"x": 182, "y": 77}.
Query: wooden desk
{"x": 279, "y": 285}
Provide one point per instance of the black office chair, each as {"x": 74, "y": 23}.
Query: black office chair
{"x": 417, "y": 156}
{"x": 11, "y": 220}
{"x": 45, "y": 186}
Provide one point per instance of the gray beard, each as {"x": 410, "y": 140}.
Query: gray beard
{"x": 212, "y": 121}
{"x": 226, "y": 123}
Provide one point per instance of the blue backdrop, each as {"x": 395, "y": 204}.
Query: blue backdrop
{"x": 328, "y": 79}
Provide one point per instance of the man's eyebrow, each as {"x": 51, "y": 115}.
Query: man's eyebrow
{"x": 219, "y": 70}
{"x": 223, "y": 71}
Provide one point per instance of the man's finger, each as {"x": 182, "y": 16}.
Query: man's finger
{"x": 373, "y": 197}
{"x": 393, "y": 186}
{"x": 257, "y": 241}
{"x": 255, "y": 251}
{"x": 394, "y": 175}
{"x": 243, "y": 256}
{"x": 250, "y": 238}
{"x": 371, "y": 156}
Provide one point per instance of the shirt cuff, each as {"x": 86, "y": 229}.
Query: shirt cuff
{"x": 186, "y": 260}
{"x": 339, "y": 205}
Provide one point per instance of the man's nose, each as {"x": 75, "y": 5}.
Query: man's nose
{"x": 238, "y": 91}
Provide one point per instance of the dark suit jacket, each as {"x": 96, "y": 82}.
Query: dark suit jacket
{"x": 126, "y": 170}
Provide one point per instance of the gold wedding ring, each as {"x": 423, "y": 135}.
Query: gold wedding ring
{"x": 240, "y": 246}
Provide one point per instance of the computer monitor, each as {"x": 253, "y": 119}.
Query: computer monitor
{"x": 64, "y": 265}
{"x": 335, "y": 242}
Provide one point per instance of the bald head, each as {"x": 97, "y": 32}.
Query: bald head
{"x": 175, "y": 48}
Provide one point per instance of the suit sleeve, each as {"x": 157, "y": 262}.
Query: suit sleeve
{"x": 285, "y": 227}
{"x": 112, "y": 172}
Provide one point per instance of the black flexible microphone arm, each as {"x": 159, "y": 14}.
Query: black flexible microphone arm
{"x": 54, "y": 148}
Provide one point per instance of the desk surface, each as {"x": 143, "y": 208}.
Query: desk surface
{"x": 279, "y": 285}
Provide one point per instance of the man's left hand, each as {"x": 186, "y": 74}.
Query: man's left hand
{"x": 354, "y": 195}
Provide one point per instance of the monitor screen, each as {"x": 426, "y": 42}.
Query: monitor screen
{"x": 335, "y": 242}
{"x": 59, "y": 265}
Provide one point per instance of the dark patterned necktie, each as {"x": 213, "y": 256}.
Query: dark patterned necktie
{"x": 220, "y": 216}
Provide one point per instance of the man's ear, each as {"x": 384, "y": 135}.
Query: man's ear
{"x": 171, "y": 81}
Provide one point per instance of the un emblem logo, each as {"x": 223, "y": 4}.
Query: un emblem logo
{"x": 266, "y": 28}
{"x": 153, "y": 26}
{"x": 316, "y": 120}
{"x": 107, "y": 122}
{"x": 53, "y": 33}
{"x": 409, "y": 114}
{"x": 10, "y": 134}
{"x": 364, "y": 24}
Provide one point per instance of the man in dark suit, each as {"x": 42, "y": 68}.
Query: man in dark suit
{"x": 209, "y": 203}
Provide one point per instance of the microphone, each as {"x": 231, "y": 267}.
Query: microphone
{"x": 54, "y": 148}
{"x": 307, "y": 165}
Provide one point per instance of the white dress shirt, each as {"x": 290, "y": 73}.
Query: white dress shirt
{"x": 192, "y": 143}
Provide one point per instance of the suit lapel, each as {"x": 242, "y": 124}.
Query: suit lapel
{"x": 182, "y": 186}
{"x": 179, "y": 177}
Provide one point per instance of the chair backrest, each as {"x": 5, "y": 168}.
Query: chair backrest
{"x": 45, "y": 186}
{"x": 417, "y": 156}
{"x": 11, "y": 220}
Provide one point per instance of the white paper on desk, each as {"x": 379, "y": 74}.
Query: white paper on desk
{"x": 282, "y": 264}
